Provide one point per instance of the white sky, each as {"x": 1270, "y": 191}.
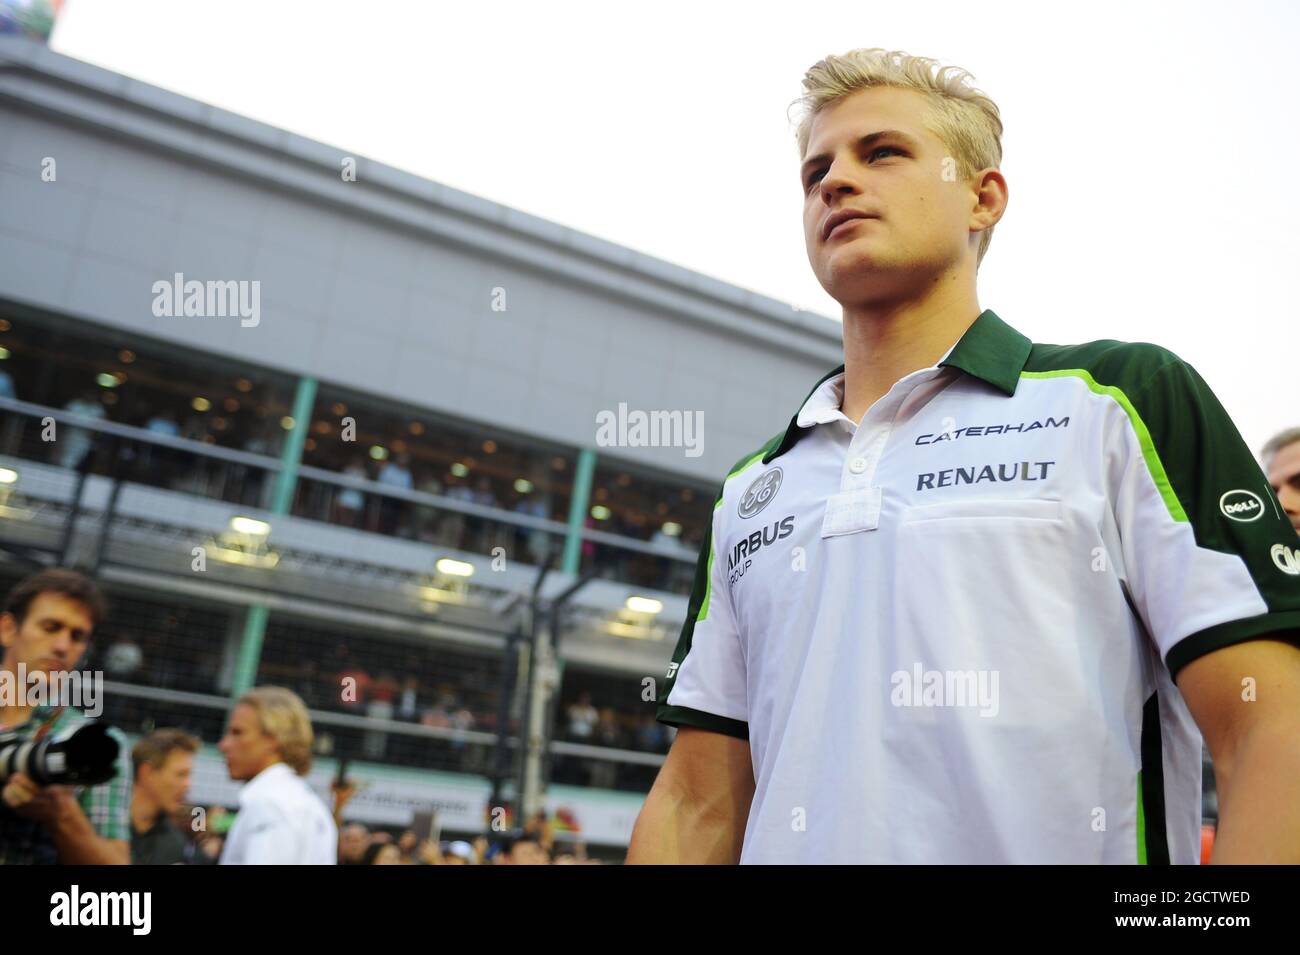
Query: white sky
{"x": 1152, "y": 149}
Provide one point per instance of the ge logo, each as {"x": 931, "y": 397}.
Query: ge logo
{"x": 760, "y": 492}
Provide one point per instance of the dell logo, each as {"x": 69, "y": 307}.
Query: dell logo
{"x": 1242, "y": 506}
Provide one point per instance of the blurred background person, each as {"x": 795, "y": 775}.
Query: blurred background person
{"x": 382, "y": 853}
{"x": 396, "y": 472}
{"x": 163, "y": 762}
{"x": 354, "y": 839}
{"x": 1281, "y": 458}
{"x": 459, "y": 853}
{"x": 408, "y": 842}
{"x": 349, "y": 502}
{"x": 281, "y": 821}
{"x": 75, "y": 443}
{"x": 523, "y": 848}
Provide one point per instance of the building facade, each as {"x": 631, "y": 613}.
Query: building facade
{"x": 311, "y": 418}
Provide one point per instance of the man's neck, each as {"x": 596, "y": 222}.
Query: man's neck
{"x": 144, "y": 811}
{"x": 886, "y": 341}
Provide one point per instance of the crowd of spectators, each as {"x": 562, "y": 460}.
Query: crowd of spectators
{"x": 535, "y": 843}
{"x": 457, "y": 695}
{"x": 359, "y": 844}
{"x": 172, "y": 394}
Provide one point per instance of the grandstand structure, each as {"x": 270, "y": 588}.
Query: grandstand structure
{"x": 317, "y": 422}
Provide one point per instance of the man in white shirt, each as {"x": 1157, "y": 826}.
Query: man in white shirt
{"x": 983, "y": 598}
{"x": 281, "y": 821}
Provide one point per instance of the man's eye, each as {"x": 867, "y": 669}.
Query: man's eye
{"x": 871, "y": 155}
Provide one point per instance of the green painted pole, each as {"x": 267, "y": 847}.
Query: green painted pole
{"x": 250, "y": 649}
{"x": 286, "y": 482}
{"x": 578, "y": 510}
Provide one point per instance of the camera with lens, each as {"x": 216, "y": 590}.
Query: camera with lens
{"x": 86, "y": 758}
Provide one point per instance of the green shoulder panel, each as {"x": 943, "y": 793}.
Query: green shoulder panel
{"x": 698, "y": 608}
{"x": 1117, "y": 370}
{"x": 1206, "y": 474}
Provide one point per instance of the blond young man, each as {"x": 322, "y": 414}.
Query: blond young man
{"x": 281, "y": 821}
{"x": 981, "y": 597}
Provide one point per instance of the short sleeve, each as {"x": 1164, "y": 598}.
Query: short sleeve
{"x": 108, "y": 805}
{"x": 705, "y": 684}
{"x": 1211, "y": 558}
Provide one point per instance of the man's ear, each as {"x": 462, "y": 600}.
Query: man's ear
{"x": 8, "y": 629}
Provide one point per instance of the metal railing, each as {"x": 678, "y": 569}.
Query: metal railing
{"x": 438, "y": 503}
{"x": 178, "y": 707}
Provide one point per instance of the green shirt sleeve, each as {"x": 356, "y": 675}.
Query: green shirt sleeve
{"x": 108, "y": 805}
{"x": 1243, "y": 546}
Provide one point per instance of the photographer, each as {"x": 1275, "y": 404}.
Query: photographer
{"x": 45, "y": 629}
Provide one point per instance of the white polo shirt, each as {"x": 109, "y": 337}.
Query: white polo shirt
{"x": 950, "y": 631}
{"x": 281, "y": 821}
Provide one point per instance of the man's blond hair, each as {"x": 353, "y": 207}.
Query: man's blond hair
{"x": 282, "y": 715}
{"x": 961, "y": 116}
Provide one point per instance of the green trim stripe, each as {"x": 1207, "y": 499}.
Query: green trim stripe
{"x": 745, "y": 464}
{"x": 1149, "y": 454}
{"x": 708, "y": 579}
{"x": 708, "y": 585}
{"x": 1142, "y": 825}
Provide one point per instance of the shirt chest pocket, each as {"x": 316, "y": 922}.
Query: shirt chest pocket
{"x": 986, "y": 514}
{"x": 993, "y": 586}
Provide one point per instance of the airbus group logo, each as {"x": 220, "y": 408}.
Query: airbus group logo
{"x": 760, "y": 493}
{"x": 1244, "y": 506}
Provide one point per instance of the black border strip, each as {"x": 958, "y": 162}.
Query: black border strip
{"x": 1153, "y": 785}
{"x": 685, "y": 716}
{"x": 1285, "y": 625}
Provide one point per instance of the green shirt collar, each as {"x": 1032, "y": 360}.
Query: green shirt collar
{"x": 990, "y": 350}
